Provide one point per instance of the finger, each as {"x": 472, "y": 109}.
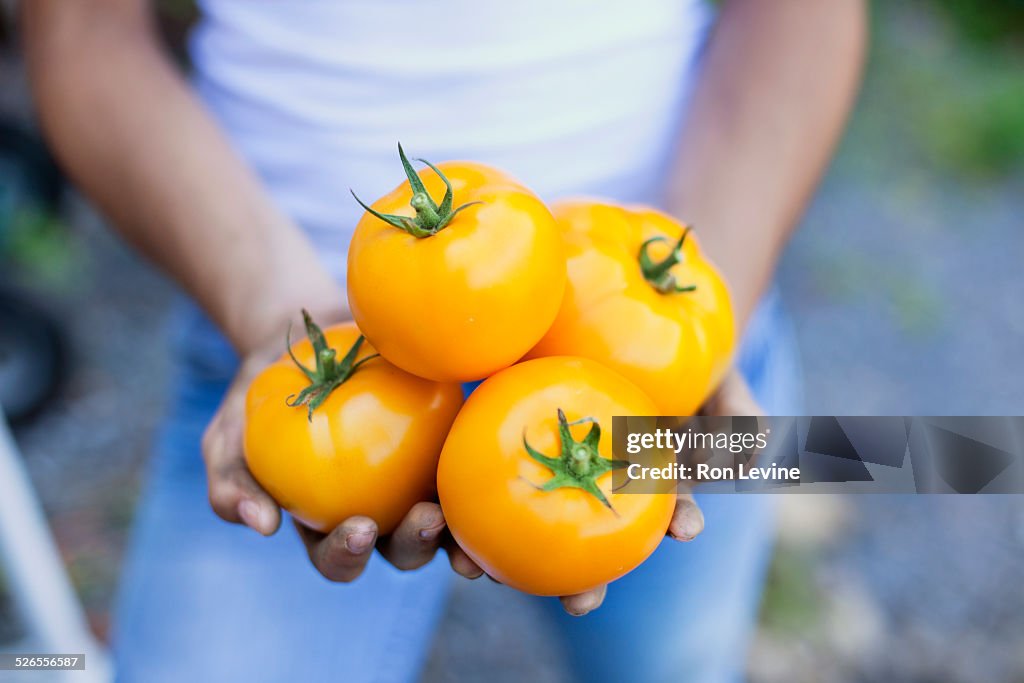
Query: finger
{"x": 583, "y": 603}
{"x": 234, "y": 494}
{"x": 415, "y": 541}
{"x": 687, "y": 519}
{"x": 342, "y": 554}
{"x": 461, "y": 563}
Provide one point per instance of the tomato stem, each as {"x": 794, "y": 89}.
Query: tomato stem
{"x": 430, "y": 217}
{"x": 329, "y": 373}
{"x": 579, "y": 464}
{"x": 660, "y": 274}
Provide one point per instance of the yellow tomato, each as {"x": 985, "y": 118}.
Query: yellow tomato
{"x": 525, "y": 479}
{"x": 643, "y": 300}
{"x": 455, "y": 294}
{"x": 354, "y": 436}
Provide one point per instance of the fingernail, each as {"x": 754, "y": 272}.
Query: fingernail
{"x": 430, "y": 533}
{"x": 360, "y": 542}
{"x": 266, "y": 519}
{"x": 692, "y": 527}
{"x": 575, "y": 610}
{"x": 249, "y": 511}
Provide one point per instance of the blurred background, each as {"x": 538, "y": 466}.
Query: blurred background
{"x": 905, "y": 283}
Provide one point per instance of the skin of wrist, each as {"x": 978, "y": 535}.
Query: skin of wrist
{"x": 264, "y": 327}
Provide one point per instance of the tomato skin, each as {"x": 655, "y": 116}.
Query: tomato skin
{"x": 559, "y": 542}
{"x": 469, "y": 300}
{"x": 371, "y": 449}
{"x": 675, "y": 346}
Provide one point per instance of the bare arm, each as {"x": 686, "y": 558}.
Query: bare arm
{"x": 131, "y": 134}
{"x": 133, "y": 137}
{"x": 779, "y": 80}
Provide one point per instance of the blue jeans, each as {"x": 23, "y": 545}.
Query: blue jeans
{"x": 205, "y": 600}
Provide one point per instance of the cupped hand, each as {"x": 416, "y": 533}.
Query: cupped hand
{"x": 733, "y": 397}
{"x": 340, "y": 555}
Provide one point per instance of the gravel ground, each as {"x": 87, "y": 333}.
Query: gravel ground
{"x": 905, "y": 288}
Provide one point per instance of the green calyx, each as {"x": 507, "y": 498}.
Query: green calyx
{"x": 580, "y": 464}
{"x": 431, "y": 217}
{"x": 660, "y": 274}
{"x": 330, "y": 373}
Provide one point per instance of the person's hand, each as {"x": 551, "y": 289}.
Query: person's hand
{"x": 342, "y": 554}
{"x": 733, "y": 397}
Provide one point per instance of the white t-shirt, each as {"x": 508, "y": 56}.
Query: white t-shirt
{"x": 570, "y": 96}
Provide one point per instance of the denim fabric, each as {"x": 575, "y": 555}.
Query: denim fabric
{"x": 205, "y": 600}
{"x": 687, "y": 613}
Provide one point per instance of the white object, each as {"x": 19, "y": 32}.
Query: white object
{"x": 570, "y": 97}
{"x": 36, "y": 580}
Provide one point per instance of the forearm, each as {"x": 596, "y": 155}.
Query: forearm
{"x": 134, "y": 138}
{"x": 778, "y": 81}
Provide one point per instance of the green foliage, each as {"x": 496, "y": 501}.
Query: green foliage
{"x": 792, "y": 598}
{"x": 986, "y": 22}
{"x": 918, "y": 308}
{"x": 979, "y": 130}
{"x": 39, "y": 244}
{"x": 937, "y": 101}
